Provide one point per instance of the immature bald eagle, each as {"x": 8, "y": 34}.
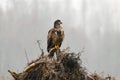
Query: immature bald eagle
{"x": 55, "y": 38}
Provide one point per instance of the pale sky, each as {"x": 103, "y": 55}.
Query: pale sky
{"x": 92, "y": 24}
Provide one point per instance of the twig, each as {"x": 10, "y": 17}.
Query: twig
{"x": 26, "y": 55}
{"x": 38, "y": 41}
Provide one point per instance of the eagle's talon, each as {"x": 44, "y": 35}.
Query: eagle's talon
{"x": 56, "y": 47}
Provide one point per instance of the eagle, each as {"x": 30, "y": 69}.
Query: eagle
{"x": 55, "y": 38}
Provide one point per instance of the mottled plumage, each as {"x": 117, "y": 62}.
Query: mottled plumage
{"x": 55, "y": 38}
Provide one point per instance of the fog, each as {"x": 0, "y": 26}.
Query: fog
{"x": 90, "y": 24}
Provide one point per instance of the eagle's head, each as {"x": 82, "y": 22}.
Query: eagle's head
{"x": 57, "y": 23}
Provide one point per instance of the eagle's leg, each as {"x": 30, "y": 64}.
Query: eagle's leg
{"x": 58, "y": 54}
{"x": 53, "y": 50}
{"x": 57, "y": 47}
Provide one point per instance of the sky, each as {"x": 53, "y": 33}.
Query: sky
{"x": 89, "y": 24}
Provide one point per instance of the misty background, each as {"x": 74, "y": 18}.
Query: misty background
{"x": 90, "y": 24}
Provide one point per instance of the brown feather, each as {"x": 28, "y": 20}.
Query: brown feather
{"x": 55, "y": 37}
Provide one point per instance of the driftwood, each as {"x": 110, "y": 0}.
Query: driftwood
{"x": 67, "y": 67}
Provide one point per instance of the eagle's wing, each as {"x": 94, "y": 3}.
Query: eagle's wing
{"x": 62, "y": 37}
{"x": 49, "y": 40}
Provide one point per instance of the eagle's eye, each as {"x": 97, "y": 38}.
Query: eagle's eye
{"x": 59, "y": 23}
